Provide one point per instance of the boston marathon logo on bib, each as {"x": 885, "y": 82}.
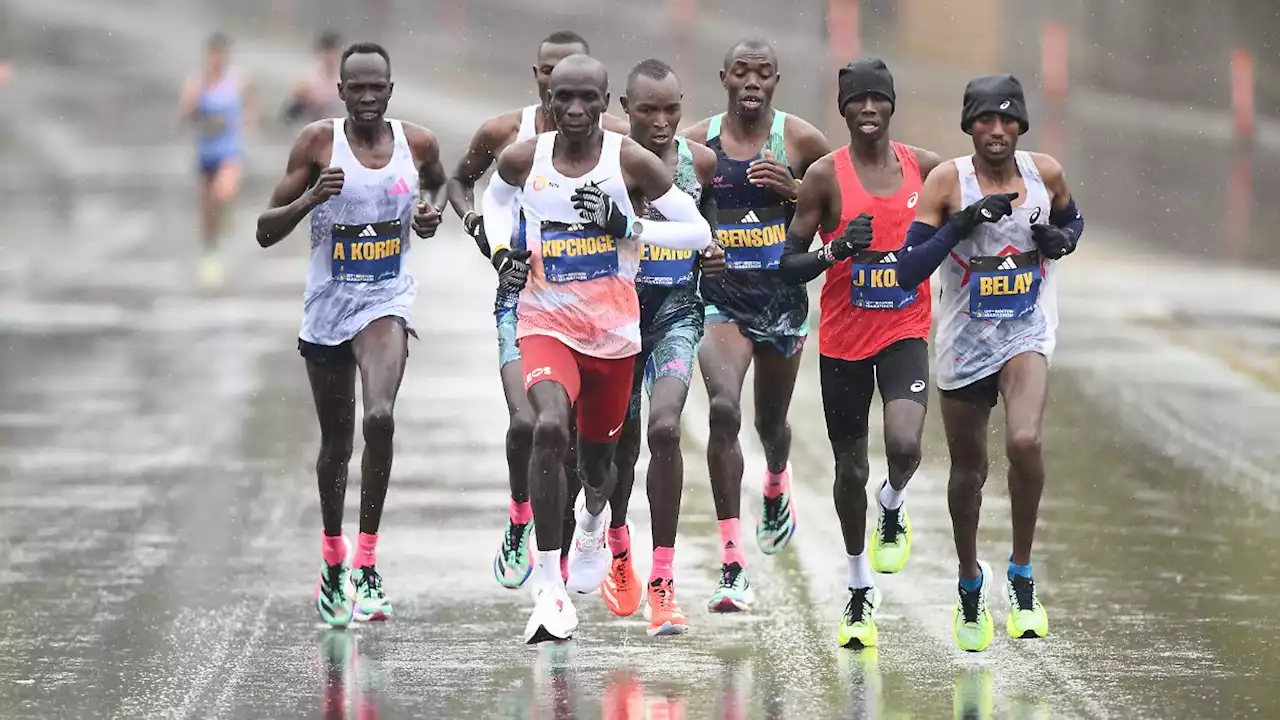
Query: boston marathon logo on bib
{"x": 664, "y": 266}
{"x": 1004, "y": 287}
{"x": 366, "y": 253}
{"x": 754, "y": 238}
{"x": 874, "y": 278}
{"x": 573, "y": 252}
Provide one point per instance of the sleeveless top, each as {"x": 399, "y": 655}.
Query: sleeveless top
{"x": 506, "y": 301}
{"x": 667, "y": 282}
{"x": 359, "y": 238}
{"x": 218, "y": 119}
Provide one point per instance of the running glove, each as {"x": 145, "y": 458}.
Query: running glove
{"x": 513, "y": 269}
{"x": 855, "y": 238}
{"x": 595, "y": 206}
{"x": 473, "y": 225}
{"x": 989, "y": 209}
{"x": 1054, "y": 242}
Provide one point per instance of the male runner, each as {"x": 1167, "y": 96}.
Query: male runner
{"x": 511, "y": 564}
{"x": 996, "y": 330}
{"x": 863, "y": 197}
{"x": 671, "y": 320}
{"x": 316, "y": 95}
{"x": 579, "y": 318}
{"x": 220, "y": 103}
{"x": 358, "y": 175}
{"x": 751, "y": 313}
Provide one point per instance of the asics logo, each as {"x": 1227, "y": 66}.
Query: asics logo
{"x": 1005, "y": 105}
{"x": 912, "y": 200}
{"x": 1035, "y": 215}
{"x": 917, "y": 386}
{"x": 986, "y": 213}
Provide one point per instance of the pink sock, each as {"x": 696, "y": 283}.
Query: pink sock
{"x": 663, "y": 557}
{"x": 332, "y": 549}
{"x": 521, "y": 513}
{"x": 564, "y": 567}
{"x": 729, "y": 543}
{"x": 619, "y": 540}
{"x": 366, "y": 551}
{"x": 775, "y": 485}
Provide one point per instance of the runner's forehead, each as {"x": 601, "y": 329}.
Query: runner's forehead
{"x": 647, "y": 89}
{"x": 578, "y": 81}
{"x": 366, "y": 67}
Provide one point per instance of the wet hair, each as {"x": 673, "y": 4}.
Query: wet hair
{"x": 328, "y": 40}
{"x": 650, "y": 68}
{"x": 565, "y": 37}
{"x": 758, "y": 45}
{"x": 218, "y": 41}
{"x": 364, "y": 48}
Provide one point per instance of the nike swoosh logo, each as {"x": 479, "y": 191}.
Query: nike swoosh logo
{"x": 616, "y": 430}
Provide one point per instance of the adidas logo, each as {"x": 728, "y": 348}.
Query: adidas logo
{"x": 368, "y": 231}
{"x": 750, "y": 217}
{"x": 1008, "y": 264}
{"x": 889, "y": 259}
{"x": 400, "y": 188}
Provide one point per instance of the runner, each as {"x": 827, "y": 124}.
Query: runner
{"x": 357, "y": 174}
{"x": 579, "y": 316}
{"x": 996, "y": 330}
{"x": 511, "y": 564}
{"x": 671, "y": 318}
{"x": 863, "y": 198}
{"x": 220, "y": 102}
{"x": 751, "y": 313}
{"x": 316, "y": 95}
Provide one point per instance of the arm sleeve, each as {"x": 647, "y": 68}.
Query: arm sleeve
{"x": 925, "y": 250}
{"x": 799, "y": 266}
{"x": 499, "y": 212}
{"x": 1069, "y": 218}
{"x": 684, "y": 229}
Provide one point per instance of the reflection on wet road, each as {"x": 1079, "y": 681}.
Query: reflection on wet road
{"x": 157, "y": 442}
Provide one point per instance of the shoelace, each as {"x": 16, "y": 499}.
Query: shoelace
{"x": 970, "y": 603}
{"x": 371, "y": 579}
{"x": 333, "y": 585}
{"x": 856, "y": 609}
{"x": 1025, "y": 590}
{"x": 662, "y": 589}
{"x": 891, "y": 526}
{"x": 729, "y": 575}
{"x": 773, "y": 513}
{"x": 620, "y": 576}
{"x": 515, "y": 540}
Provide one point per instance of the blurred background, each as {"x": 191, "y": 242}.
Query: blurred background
{"x": 157, "y": 437}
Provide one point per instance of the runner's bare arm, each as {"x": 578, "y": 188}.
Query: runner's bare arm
{"x": 930, "y": 238}
{"x": 928, "y": 161}
{"x": 252, "y": 103}
{"x": 1063, "y": 212}
{"x": 291, "y": 201}
{"x": 616, "y": 124}
{"x": 426, "y": 155}
{"x": 500, "y": 197}
{"x": 476, "y": 161}
{"x": 697, "y": 133}
{"x": 685, "y": 228}
{"x": 798, "y": 266}
{"x": 187, "y": 103}
{"x": 805, "y": 144}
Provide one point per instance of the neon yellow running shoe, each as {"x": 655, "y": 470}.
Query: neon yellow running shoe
{"x": 857, "y": 627}
{"x": 974, "y": 628}
{"x": 1027, "y": 618}
{"x": 975, "y": 695}
{"x": 890, "y": 544}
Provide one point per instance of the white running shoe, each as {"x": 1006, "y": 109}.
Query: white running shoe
{"x": 554, "y": 617}
{"x": 589, "y": 556}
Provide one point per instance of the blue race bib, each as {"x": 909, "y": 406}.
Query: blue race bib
{"x": 1004, "y": 288}
{"x": 366, "y": 253}
{"x": 664, "y": 267}
{"x": 577, "y": 252}
{"x": 873, "y": 277}
{"x": 752, "y": 238}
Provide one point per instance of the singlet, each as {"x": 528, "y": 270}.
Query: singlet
{"x": 505, "y": 300}
{"x": 667, "y": 282}
{"x": 752, "y": 228}
{"x": 999, "y": 297}
{"x": 581, "y": 288}
{"x": 218, "y": 118}
{"x": 863, "y": 309}
{"x": 359, "y": 238}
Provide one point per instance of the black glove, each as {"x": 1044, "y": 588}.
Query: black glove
{"x": 855, "y": 238}
{"x": 595, "y": 206}
{"x": 473, "y": 225}
{"x": 1054, "y": 242}
{"x": 513, "y": 269}
{"x": 989, "y": 209}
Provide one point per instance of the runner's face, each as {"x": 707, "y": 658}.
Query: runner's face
{"x": 549, "y": 56}
{"x": 217, "y": 57}
{"x": 750, "y": 80}
{"x": 653, "y": 106}
{"x": 366, "y": 88}
{"x": 995, "y": 137}
{"x": 867, "y": 117}
{"x": 577, "y": 102}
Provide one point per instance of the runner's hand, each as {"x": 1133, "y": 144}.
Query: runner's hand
{"x": 989, "y": 209}
{"x": 769, "y": 173}
{"x": 513, "y": 269}
{"x": 426, "y": 218}
{"x": 595, "y": 206}
{"x": 473, "y": 225}
{"x": 1054, "y": 242}
{"x": 855, "y": 238}
{"x": 712, "y": 261}
{"x": 327, "y": 185}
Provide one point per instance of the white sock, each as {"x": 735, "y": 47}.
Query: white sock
{"x": 547, "y": 567}
{"x": 860, "y": 575}
{"x": 890, "y": 498}
{"x": 588, "y": 522}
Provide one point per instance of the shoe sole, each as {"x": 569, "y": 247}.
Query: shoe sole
{"x": 857, "y": 644}
{"x": 376, "y": 616}
{"x": 728, "y": 605}
{"x": 666, "y": 629}
{"x": 542, "y": 635}
{"x": 498, "y": 575}
{"x": 778, "y": 545}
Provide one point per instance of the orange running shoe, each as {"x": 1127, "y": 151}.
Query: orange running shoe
{"x": 621, "y": 587}
{"x": 662, "y": 611}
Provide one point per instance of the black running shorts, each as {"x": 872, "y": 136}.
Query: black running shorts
{"x": 901, "y": 370}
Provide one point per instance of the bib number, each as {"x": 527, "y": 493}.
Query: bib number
{"x": 873, "y": 277}
{"x": 366, "y": 253}
{"x": 1004, "y": 288}
{"x": 577, "y": 252}
{"x": 753, "y": 238}
{"x": 664, "y": 267}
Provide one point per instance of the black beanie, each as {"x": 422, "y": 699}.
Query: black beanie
{"x": 868, "y": 75}
{"x": 994, "y": 94}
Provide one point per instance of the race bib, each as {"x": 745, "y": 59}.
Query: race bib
{"x": 366, "y": 253}
{"x": 1004, "y": 288}
{"x": 664, "y": 267}
{"x": 752, "y": 238}
{"x": 577, "y": 252}
{"x": 873, "y": 275}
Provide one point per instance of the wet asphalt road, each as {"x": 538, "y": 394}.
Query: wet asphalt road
{"x": 156, "y": 441}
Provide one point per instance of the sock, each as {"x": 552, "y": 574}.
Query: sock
{"x": 775, "y": 485}
{"x": 730, "y": 544}
{"x": 971, "y": 584}
{"x": 564, "y": 568}
{"x": 1023, "y": 570}
{"x": 663, "y": 557}
{"x": 890, "y": 498}
{"x": 546, "y": 564}
{"x": 860, "y": 575}
{"x": 366, "y": 551}
{"x": 619, "y": 540}
{"x": 521, "y": 513}
{"x": 332, "y": 549}
{"x": 589, "y": 522}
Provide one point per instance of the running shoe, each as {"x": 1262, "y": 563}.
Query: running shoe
{"x": 734, "y": 593}
{"x": 662, "y": 611}
{"x": 589, "y": 556}
{"x": 334, "y": 592}
{"x": 554, "y": 617}
{"x": 974, "y": 627}
{"x": 621, "y": 588}
{"x": 891, "y": 542}
{"x": 777, "y": 523}
{"x": 1027, "y": 618}
{"x": 372, "y": 604}
{"x": 857, "y": 627}
{"x": 513, "y": 562}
